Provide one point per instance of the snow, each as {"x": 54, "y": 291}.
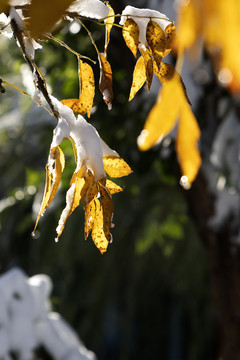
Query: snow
{"x": 26, "y": 321}
{"x": 16, "y": 15}
{"x": 93, "y": 9}
{"x": 142, "y": 17}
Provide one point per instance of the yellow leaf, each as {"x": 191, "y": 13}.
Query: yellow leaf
{"x": 3, "y": 5}
{"x": 170, "y": 31}
{"x": 87, "y": 91}
{"x": 186, "y": 145}
{"x": 98, "y": 234}
{"x": 107, "y": 208}
{"x": 139, "y": 77}
{"x": 44, "y": 14}
{"x": 54, "y": 169}
{"x": 165, "y": 73}
{"x": 58, "y": 156}
{"x": 156, "y": 40}
{"x": 116, "y": 166}
{"x": 109, "y": 24}
{"x": 87, "y": 87}
{"x": 171, "y": 105}
{"x": 188, "y": 25}
{"x": 90, "y": 213}
{"x": 162, "y": 118}
{"x": 112, "y": 187}
{"x": 130, "y": 32}
{"x": 46, "y": 196}
{"x": 148, "y": 67}
{"x": 74, "y": 196}
{"x": 105, "y": 82}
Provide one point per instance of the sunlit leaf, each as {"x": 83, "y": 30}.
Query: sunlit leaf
{"x": 98, "y": 234}
{"x": 109, "y": 24}
{"x": 44, "y": 14}
{"x": 3, "y": 5}
{"x": 107, "y": 206}
{"x": 105, "y": 82}
{"x": 87, "y": 86}
{"x": 186, "y": 144}
{"x": 170, "y": 32}
{"x": 116, "y": 166}
{"x": 74, "y": 196}
{"x": 165, "y": 73}
{"x": 156, "y": 40}
{"x": 139, "y": 77}
{"x": 162, "y": 118}
{"x": 130, "y": 32}
{"x": 187, "y": 25}
{"x": 87, "y": 91}
{"x": 54, "y": 169}
{"x": 148, "y": 62}
{"x": 112, "y": 187}
{"x": 172, "y": 105}
{"x": 90, "y": 213}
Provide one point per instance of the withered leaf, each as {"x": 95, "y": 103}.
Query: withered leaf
{"x": 105, "y": 82}
{"x": 156, "y": 40}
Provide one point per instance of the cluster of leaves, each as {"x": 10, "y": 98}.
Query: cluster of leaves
{"x": 148, "y": 31}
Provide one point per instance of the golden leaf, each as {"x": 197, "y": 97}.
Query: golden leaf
{"x": 87, "y": 87}
{"x": 87, "y": 91}
{"x": 116, "y": 166}
{"x": 139, "y": 77}
{"x": 171, "y": 105}
{"x": 170, "y": 31}
{"x": 162, "y": 118}
{"x": 112, "y": 187}
{"x": 105, "y": 82}
{"x": 148, "y": 67}
{"x": 188, "y": 25}
{"x": 156, "y": 40}
{"x": 3, "y": 5}
{"x": 54, "y": 169}
{"x": 107, "y": 208}
{"x": 186, "y": 144}
{"x": 165, "y": 73}
{"x": 44, "y": 14}
{"x": 109, "y": 25}
{"x": 98, "y": 234}
{"x": 130, "y": 32}
{"x": 89, "y": 217}
{"x": 74, "y": 195}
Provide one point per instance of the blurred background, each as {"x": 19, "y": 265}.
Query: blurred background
{"x": 164, "y": 288}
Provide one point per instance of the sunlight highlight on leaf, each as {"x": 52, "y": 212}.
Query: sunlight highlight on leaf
{"x": 130, "y": 32}
{"x": 139, "y": 77}
{"x": 112, "y": 187}
{"x": 98, "y": 234}
{"x": 108, "y": 24}
{"x": 54, "y": 169}
{"x": 172, "y": 105}
{"x": 116, "y": 166}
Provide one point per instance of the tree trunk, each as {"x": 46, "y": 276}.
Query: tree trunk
{"x": 224, "y": 265}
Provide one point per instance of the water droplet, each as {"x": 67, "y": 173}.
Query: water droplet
{"x": 56, "y": 239}
{"x": 185, "y": 183}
